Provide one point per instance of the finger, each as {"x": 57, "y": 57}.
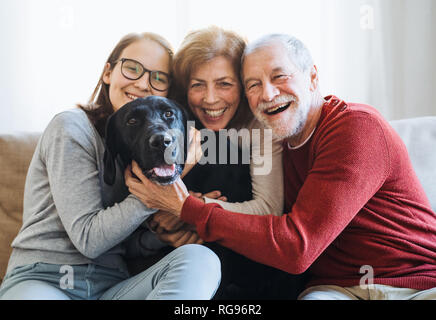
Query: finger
{"x": 136, "y": 190}
{"x": 134, "y": 187}
{"x": 191, "y": 134}
{"x": 171, "y": 223}
{"x": 127, "y": 172}
{"x": 213, "y": 194}
{"x": 195, "y": 194}
{"x": 173, "y": 237}
{"x": 176, "y": 224}
{"x": 177, "y": 238}
{"x": 189, "y": 227}
{"x": 166, "y": 219}
{"x": 184, "y": 239}
{"x": 165, "y": 237}
{"x": 199, "y": 240}
{"x": 157, "y": 216}
{"x": 223, "y": 198}
{"x": 135, "y": 168}
{"x": 138, "y": 172}
{"x": 193, "y": 238}
{"x": 128, "y": 176}
{"x": 194, "y": 134}
{"x": 194, "y": 149}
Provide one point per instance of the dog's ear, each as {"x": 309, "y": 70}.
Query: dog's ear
{"x": 110, "y": 152}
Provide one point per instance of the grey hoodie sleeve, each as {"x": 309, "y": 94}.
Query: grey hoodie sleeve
{"x": 71, "y": 154}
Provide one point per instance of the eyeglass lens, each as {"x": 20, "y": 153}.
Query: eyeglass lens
{"x": 133, "y": 70}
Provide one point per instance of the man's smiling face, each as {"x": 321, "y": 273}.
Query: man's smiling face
{"x": 277, "y": 90}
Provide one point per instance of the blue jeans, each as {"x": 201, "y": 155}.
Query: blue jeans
{"x": 187, "y": 273}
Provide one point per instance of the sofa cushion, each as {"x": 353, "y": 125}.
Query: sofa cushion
{"x": 16, "y": 153}
{"x": 419, "y": 135}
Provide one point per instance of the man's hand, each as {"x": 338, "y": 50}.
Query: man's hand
{"x": 179, "y": 238}
{"x": 168, "y": 198}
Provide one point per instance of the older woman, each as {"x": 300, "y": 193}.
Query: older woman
{"x": 206, "y": 71}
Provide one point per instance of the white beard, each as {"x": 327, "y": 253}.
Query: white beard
{"x": 291, "y": 121}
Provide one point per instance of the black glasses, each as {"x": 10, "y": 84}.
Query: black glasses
{"x": 133, "y": 70}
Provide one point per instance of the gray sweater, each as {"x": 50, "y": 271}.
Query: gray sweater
{"x": 70, "y": 215}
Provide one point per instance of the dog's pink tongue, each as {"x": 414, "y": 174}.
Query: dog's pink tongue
{"x": 165, "y": 170}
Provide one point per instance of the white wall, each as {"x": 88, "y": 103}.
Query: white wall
{"x": 53, "y": 50}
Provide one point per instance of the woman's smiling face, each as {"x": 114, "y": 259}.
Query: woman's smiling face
{"x": 214, "y": 93}
{"x": 122, "y": 90}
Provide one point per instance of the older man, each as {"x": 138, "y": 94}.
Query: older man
{"x": 356, "y": 215}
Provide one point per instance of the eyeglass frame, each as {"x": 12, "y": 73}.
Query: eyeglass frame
{"x": 143, "y": 72}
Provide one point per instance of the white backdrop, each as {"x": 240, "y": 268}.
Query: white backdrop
{"x": 379, "y": 52}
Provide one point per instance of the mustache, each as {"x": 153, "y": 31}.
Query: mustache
{"x": 284, "y": 98}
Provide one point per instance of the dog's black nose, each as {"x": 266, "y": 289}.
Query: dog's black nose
{"x": 160, "y": 141}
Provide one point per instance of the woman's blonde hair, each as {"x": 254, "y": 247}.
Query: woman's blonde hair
{"x": 99, "y": 107}
{"x": 201, "y": 46}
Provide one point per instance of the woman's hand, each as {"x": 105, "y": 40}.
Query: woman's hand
{"x": 212, "y": 195}
{"x": 168, "y": 198}
{"x": 215, "y": 195}
{"x": 195, "y": 152}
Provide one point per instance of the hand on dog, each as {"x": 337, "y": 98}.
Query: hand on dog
{"x": 168, "y": 198}
{"x": 195, "y": 152}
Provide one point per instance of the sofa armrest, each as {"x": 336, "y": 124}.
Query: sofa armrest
{"x": 15, "y": 155}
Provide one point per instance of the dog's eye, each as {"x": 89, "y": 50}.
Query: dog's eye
{"x": 168, "y": 114}
{"x": 132, "y": 122}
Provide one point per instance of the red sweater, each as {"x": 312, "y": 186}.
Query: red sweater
{"x": 352, "y": 199}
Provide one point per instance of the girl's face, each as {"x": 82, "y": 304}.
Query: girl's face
{"x": 214, "y": 93}
{"x": 122, "y": 90}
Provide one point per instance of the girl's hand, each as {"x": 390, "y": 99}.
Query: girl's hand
{"x": 194, "y": 153}
{"x": 164, "y": 221}
{"x": 179, "y": 238}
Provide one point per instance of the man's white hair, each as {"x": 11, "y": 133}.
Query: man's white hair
{"x": 298, "y": 52}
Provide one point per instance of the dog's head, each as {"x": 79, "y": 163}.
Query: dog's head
{"x": 151, "y": 131}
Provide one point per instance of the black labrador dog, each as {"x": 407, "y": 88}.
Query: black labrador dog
{"x": 151, "y": 131}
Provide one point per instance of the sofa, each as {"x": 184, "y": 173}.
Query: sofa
{"x": 419, "y": 135}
